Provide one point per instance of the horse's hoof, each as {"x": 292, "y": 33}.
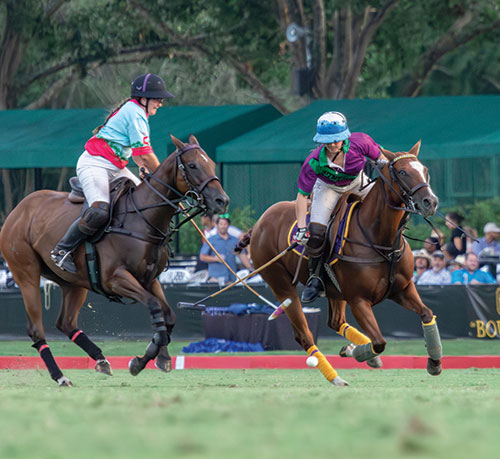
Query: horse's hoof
{"x": 346, "y": 351}
{"x": 164, "y": 365}
{"x": 134, "y": 366}
{"x": 434, "y": 367}
{"x": 375, "y": 362}
{"x": 64, "y": 382}
{"x": 103, "y": 366}
{"x": 338, "y": 381}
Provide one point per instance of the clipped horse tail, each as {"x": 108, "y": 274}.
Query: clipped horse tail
{"x": 245, "y": 240}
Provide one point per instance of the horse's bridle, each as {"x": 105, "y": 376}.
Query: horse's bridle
{"x": 195, "y": 193}
{"x": 407, "y": 193}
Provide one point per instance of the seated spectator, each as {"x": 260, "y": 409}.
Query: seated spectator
{"x": 432, "y": 244}
{"x": 457, "y": 263}
{"x": 456, "y": 245}
{"x": 471, "y": 273}
{"x": 224, "y": 244}
{"x": 438, "y": 274}
{"x": 422, "y": 261}
{"x": 489, "y": 240}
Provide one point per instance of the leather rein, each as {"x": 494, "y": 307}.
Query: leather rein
{"x": 405, "y": 194}
{"x": 193, "y": 196}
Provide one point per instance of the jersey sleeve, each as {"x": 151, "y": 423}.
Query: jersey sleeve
{"x": 307, "y": 179}
{"x": 371, "y": 149}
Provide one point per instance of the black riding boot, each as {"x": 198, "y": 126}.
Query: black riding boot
{"x": 315, "y": 284}
{"x": 62, "y": 253}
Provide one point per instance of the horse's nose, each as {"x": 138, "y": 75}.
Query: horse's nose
{"x": 429, "y": 204}
{"x": 222, "y": 202}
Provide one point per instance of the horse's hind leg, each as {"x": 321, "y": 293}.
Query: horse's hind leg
{"x": 27, "y": 276}
{"x": 280, "y": 282}
{"x": 336, "y": 321}
{"x": 410, "y": 299}
{"x": 67, "y": 322}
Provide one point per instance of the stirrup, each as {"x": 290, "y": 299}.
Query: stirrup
{"x": 63, "y": 260}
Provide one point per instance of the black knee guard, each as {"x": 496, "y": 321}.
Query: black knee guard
{"x": 316, "y": 240}
{"x": 94, "y": 218}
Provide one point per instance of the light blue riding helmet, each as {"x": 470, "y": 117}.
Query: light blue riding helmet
{"x": 332, "y": 127}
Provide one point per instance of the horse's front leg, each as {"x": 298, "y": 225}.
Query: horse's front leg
{"x": 410, "y": 299}
{"x": 163, "y": 360}
{"x": 371, "y": 345}
{"x": 124, "y": 284}
{"x": 337, "y": 321}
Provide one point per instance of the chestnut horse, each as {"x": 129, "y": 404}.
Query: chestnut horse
{"x": 132, "y": 252}
{"x": 376, "y": 263}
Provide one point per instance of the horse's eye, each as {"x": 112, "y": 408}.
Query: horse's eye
{"x": 192, "y": 166}
{"x": 402, "y": 172}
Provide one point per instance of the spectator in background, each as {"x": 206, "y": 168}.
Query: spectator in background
{"x": 232, "y": 230}
{"x": 422, "y": 262}
{"x": 438, "y": 274}
{"x": 224, "y": 243}
{"x": 457, "y": 263}
{"x": 489, "y": 240}
{"x": 471, "y": 273}
{"x": 470, "y": 236}
{"x": 456, "y": 245}
{"x": 432, "y": 244}
{"x": 208, "y": 223}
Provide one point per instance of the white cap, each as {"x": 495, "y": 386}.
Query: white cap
{"x": 491, "y": 228}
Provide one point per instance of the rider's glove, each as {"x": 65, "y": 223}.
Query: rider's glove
{"x": 302, "y": 236}
{"x": 381, "y": 162}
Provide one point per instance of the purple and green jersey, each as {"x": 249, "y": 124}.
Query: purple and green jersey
{"x": 357, "y": 147}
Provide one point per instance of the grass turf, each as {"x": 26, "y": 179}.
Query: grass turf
{"x": 249, "y": 414}
{"x": 327, "y": 346}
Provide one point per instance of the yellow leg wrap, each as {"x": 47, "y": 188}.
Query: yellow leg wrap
{"x": 323, "y": 365}
{"x": 432, "y": 322}
{"x": 353, "y": 335}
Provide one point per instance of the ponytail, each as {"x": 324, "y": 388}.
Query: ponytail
{"x": 111, "y": 113}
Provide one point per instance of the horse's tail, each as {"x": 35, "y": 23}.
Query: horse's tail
{"x": 245, "y": 240}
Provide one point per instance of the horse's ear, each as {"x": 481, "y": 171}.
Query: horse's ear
{"x": 193, "y": 140}
{"x": 388, "y": 154}
{"x": 415, "y": 149}
{"x": 180, "y": 145}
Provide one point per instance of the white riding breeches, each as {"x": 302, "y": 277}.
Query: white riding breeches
{"x": 325, "y": 197}
{"x": 95, "y": 173}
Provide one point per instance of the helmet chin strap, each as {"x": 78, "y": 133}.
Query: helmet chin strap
{"x": 146, "y": 106}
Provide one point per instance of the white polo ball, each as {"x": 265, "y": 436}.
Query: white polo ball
{"x": 312, "y": 361}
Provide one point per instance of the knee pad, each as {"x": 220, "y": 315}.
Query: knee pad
{"x": 94, "y": 218}
{"x": 316, "y": 239}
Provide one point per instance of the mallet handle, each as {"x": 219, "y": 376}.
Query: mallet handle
{"x": 253, "y": 273}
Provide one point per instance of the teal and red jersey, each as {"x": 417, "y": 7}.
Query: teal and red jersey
{"x": 357, "y": 148}
{"x": 125, "y": 134}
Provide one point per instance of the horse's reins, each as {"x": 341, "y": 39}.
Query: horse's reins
{"x": 194, "y": 192}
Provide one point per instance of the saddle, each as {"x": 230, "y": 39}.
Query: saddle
{"x": 117, "y": 188}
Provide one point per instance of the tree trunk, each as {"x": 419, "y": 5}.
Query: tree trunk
{"x": 7, "y": 192}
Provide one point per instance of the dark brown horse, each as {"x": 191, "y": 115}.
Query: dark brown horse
{"x": 131, "y": 256}
{"x": 376, "y": 263}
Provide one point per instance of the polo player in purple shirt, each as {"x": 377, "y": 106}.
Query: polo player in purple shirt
{"x": 334, "y": 167}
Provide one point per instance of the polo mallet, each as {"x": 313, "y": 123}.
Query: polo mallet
{"x": 199, "y": 305}
{"x": 217, "y": 254}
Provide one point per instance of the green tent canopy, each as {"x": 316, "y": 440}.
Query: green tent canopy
{"x": 56, "y": 138}
{"x": 449, "y": 127}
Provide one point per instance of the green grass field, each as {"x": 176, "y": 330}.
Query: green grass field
{"x": 251, "y": 413}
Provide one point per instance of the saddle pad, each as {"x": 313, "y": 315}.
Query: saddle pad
{"x": 342, "y": 233}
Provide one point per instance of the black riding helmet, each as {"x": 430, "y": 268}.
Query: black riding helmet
{"x": 150, "y": 86}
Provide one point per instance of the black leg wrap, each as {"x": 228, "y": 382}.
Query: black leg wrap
{"x": 83, "y": 341}
{"x": 157, "y": 319}
{"x": 46, "y": 355}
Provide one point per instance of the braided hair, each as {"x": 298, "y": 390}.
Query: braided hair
{"x": 110, "y": 114}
